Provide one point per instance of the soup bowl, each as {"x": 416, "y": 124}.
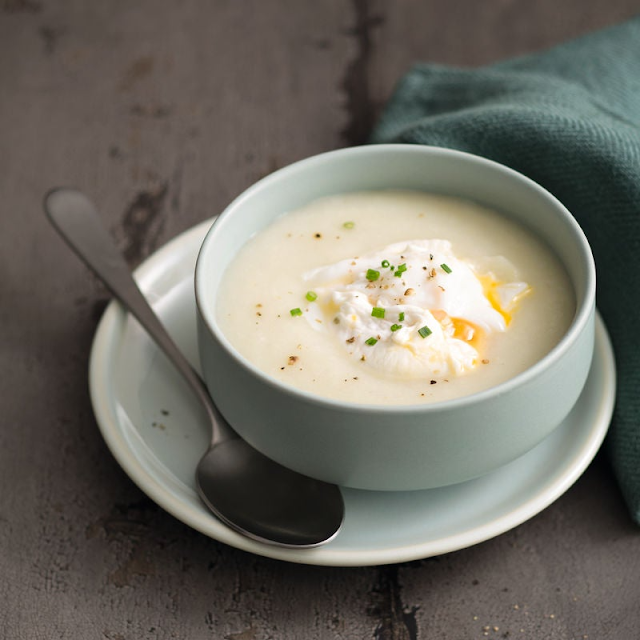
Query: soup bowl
{"x": 396, "y": 447}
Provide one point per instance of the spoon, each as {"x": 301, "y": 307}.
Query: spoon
{"x": 248, "y": 491}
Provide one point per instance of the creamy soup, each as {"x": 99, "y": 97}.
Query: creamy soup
{"x": 394, "y": 297}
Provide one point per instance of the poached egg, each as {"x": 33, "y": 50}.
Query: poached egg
{"x": 414, "y": 308}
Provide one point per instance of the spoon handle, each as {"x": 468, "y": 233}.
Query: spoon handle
{"x": 76, "y": 219}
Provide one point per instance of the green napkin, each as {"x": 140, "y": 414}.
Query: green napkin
{"x": 568, "y": 118}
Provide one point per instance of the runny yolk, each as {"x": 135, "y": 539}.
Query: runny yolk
{"x": 490, "y": 285}
{"x": 462, "y": 329}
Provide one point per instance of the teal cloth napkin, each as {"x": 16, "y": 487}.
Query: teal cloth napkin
{"x": 569, "y": 118}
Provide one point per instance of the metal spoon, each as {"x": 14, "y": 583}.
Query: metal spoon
{"x": 249, "y": 492}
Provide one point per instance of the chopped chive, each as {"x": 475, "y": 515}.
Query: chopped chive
{"x": 400, "y": 270}
{"x": 385, "y": 264}
{"x": 311, "y": 296}
{"x": 296, "y": 312}
{"x": 377, "y": 312}
{"x": 370, "y": 341}
{"x": 349, "y": 225}
{"x": 395, "y": 327}
{"x": 446, "y": 267}
{"x": 401, "y": 317}
{"x": 424, "y": 331}
{"x": 372, "y": 275}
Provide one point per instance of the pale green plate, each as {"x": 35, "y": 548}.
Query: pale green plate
{"x": 157, "y": 433}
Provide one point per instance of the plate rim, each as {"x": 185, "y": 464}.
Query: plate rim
{"x": 102, "y": 355}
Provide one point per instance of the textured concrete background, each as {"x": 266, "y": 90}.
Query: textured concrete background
{"x": 164, "y": 111}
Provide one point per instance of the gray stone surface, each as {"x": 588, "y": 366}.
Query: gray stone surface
{"x": 163, "y": 111}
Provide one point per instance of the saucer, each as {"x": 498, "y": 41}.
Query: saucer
{"x": 157, "y": 433}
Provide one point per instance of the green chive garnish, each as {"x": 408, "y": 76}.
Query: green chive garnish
{"x": 372, "y": 275}
{"x": 424, "y": 332}
{"x": 349, "y": 225}
{"x": 401, "y": 317}
{"x": 385, "y": 264}
{"x": 400, "y": 270}
{"x": 371, "y": 341}
{"x": 446, "y": 267}
{"x": 296, "y": 312}
{"x": 395, "y": 327}
{"x": 311, "y": 296}
{"x": 377, "y": 312}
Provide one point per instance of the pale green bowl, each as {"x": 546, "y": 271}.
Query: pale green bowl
{"x": 396, "y": 447}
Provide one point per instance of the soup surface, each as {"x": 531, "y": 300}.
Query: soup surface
{"x": 394, "y": 297}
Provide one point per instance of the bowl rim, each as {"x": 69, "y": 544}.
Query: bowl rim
{"x": 585, "y": 309}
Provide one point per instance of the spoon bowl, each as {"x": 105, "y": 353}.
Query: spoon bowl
{"x": 245, "y": 489}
